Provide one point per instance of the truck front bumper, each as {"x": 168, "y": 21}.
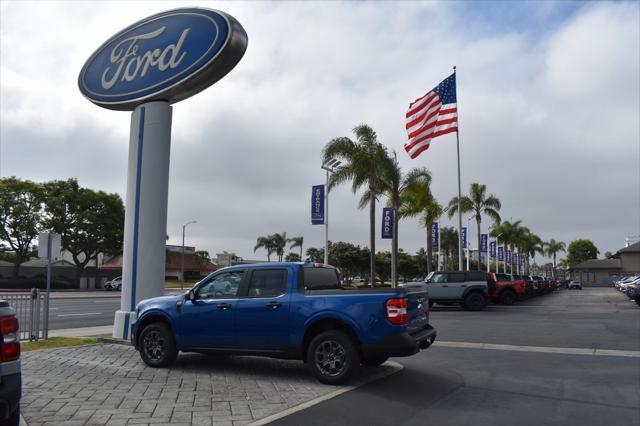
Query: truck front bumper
{"x": 401, "y": 344}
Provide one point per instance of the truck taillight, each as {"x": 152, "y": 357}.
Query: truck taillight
{"x": 10, "y": 345}
{"x": 397, "y": 311}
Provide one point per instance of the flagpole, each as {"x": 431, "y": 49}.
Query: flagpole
{"x": 459, "y": 185}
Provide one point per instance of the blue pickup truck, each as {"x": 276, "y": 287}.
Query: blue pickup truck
{"x": 285, "y": 310}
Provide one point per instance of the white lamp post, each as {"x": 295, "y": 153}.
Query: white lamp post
{"x": 329, "y": 167}
{"x": 182, "y": 265}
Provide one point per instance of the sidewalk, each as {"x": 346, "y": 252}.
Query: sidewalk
{"x": 100, "y": 331}
{"x": 108, "y": 384}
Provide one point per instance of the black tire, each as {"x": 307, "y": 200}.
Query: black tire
{"x": 474, "y": 301}
{"x": 333, "y": 357}
{"x": 14, "y": 418}
{"x": 508, "y": 297}
{"x": 374, "y": 361}
{"x": 157, "y": 345}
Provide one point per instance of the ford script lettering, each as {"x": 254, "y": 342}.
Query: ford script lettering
{"x": 169, "y": 56}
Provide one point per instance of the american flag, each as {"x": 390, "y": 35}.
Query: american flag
{"x": 432, "y": 115}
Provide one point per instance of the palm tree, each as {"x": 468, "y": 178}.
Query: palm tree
{"x": 530, "y": 244}
{"x": 418, "y": 199}
{"x": 449, "y": 242}
{"x": 478, "y": 203}
{"x": 394, "y": 186}
{"x": 552, "y": 248}
{"x": 267, "y": 244}
{"x": 296, "y": 242}
{"x": 361, "y": 162}
{"x": 279, "y": 243}
{"x": 510, "y": 234}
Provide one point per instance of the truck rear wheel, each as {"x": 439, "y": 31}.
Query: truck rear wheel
{"x": 157, "y": 345}
{"x": 507, "y": 297}
{"x": 474, "y": 301}
{"x": 333, "y": 357}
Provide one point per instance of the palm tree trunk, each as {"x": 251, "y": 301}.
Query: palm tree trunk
{"x": 478, "y": 220}
{"x": 429, "y": 247}
{"x": 372, "y": 236}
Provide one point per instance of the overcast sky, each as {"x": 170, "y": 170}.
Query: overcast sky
{"x": 548, "y": 98}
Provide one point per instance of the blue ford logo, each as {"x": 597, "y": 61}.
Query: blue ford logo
{"x": 169, "y": 56}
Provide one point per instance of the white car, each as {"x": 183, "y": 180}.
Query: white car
{"x": 574, "y": 284}
{"x": 114, "y": 284}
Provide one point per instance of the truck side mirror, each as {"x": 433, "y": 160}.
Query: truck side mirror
{"x": 191, "y": 296}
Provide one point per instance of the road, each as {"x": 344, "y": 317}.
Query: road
{"x": 527, "y": 384}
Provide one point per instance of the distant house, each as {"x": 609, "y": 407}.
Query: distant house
{"x": 625, "y": 261}
{"x": 194, "y": 266}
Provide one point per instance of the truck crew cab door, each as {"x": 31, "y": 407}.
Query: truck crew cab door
{"x": 208, "y": 322}
{"x": 262, "y": 315}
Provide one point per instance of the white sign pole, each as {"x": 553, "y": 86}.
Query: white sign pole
{"x": 145, "y": 224}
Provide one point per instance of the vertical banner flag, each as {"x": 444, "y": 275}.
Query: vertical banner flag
{"x": 492, "y": 249}
{"x": 432, "y": 115}
{"x": 514, "y": 259}
{"x": 500, "y": 254}
{"x": 434, "y": 234}
{"x": 508, "y": 257}
{"x": 464, "y": 237}
{"x": 483, "y": 243}
{"x": 387, "y": 222}
{"x": 520, "y": 260}
{"x": 317, "y": 205}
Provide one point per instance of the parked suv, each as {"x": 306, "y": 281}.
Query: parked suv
{"x": 506, "y": 290}
{"x": 470, "y": 289}
{"x": 10, "y": 375}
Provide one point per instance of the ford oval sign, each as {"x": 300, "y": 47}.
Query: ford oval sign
{"x": 166, "y": 57}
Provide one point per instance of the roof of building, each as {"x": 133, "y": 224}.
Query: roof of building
{"x": 632, "y": 248}
{"x": 173, "y": 263}
{"x": 598, "y": 264}
{"x": 42, "y": 263}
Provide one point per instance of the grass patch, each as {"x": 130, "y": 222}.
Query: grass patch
{"x": 57, "y": 342}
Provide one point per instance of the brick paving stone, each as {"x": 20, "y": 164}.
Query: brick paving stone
{"x": 110, "y": 385}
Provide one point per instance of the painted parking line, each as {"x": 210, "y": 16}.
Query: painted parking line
{"x": 540, "y": 349}
{"x": 396, "y": 367}
{"x": 79, "y": 314}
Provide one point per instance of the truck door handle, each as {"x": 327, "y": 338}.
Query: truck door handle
{"x": 223, "y": 306}
{"x": 273, "y": 305}
{"x": 463, "y": 285}
{"x": 444, "y": 285}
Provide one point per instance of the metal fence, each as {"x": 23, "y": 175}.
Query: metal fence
{"x": 30, "y": 310}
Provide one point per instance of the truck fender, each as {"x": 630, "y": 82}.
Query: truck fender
{"x": 152, "y": 315}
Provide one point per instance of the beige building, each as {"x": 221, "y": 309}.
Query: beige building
{"x": 624, "y": 262}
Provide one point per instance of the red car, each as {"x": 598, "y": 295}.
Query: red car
{"x": 506, "y": 289}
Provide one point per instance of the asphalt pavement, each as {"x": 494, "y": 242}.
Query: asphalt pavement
{"x": 524, "y": 384}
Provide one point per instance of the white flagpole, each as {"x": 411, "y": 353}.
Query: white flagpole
{"x": 460, "y": 267}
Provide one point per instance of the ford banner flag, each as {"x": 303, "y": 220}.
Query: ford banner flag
{"x": 492, "y": 249}
{"x": 483, "y": 243}
{"x": 464, "y": 237}
{"x": 317, "y": 205}
{"x": 500, "y": 254}
{"x": 434, "y": 234}
{"x": 508, "y": 257}
{"x": 387, "y": 222}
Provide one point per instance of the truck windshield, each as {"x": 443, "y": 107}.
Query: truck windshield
{"x": 321, "y": 279}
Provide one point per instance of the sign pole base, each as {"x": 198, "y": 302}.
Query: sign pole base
{"x": 145, "y": 225}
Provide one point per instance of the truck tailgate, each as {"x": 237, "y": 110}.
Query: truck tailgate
{"x": 417, "y": 310}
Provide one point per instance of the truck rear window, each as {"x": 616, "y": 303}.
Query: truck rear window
{"x": 321, "y": 279}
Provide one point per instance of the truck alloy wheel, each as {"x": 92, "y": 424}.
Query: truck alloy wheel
{"x": 332, "y": 357}
{"x": 474, "y": 301}
{"x": 157, "y": 345}
{"x": 507, "y": 297}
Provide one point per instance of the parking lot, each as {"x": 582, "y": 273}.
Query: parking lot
{"x": 570, "y": 357}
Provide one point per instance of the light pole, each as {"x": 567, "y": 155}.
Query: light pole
{"x": 489, "y": 259}
{"x": 329, "y": 167}
{"x": 182, "y": 265}
{"x": 467, "y": 245}
{"x": 440, "y": 236}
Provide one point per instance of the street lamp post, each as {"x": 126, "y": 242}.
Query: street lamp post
{"x": 182, "y": 264}
{"x": 329, "y": 167}
{"x": 440, "y": 237}
{"x": 467, "y": 245}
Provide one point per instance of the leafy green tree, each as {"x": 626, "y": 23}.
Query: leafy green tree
{"x": 552, "y": 248}
{"x": 266, "y": 243}
{"x": 581, "y": 250}
{"x": 279, "y": 242}
{"x": 296, "y": 242}
{"x": 20, "y": 217}
{"x": 510, "y": 234}
{"x": 315, "y": 254}
{"x": 202, "y": 257}
{"x": 292, "y": 257}
{"x": 449, "y": 244}
{"x": 361, "y": 162}
{"x": 395, "y": 185}
{"x": 90, "y": 222}
{"x": 478, "y": 203}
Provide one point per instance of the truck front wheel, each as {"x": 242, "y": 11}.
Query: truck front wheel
{"x": 507, "y": 297}
{"x": 474, "y": 301}
{"x": 333, "y": 357}
{"x": 157, "y": 345}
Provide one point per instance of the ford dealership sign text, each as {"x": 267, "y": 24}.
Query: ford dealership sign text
{"x": 169, "y": 56}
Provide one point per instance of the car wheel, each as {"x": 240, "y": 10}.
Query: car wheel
{"x": 333, "y": 357}
{"x": 157, "y": 345}
{"x": 507, "y": 297}
{"x": 474, "y": 301}
{"x": 374, "y": 361}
